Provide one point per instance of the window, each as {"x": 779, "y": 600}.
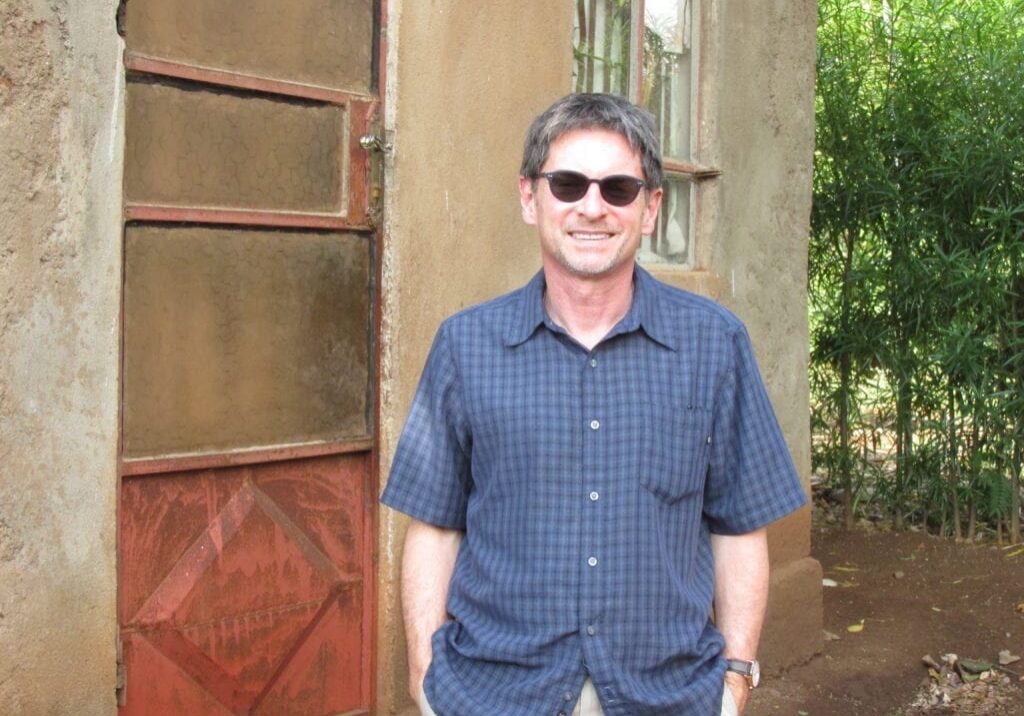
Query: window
{"x": 607, "y": 38}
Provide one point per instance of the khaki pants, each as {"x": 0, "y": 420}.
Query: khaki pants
{"x": 589, "y": 705}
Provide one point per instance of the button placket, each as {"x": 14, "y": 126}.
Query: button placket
{"x": 594, "y": 446}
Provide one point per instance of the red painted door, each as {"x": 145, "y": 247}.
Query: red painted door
{"x": 247, "y": 498}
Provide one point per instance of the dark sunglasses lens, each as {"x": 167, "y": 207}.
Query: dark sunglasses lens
{"x": 619, "y": 191}
{"x": 568, "y": 186}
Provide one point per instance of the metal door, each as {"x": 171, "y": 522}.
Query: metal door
{"x": 247, "y": 496}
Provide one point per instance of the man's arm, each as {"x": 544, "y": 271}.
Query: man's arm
{"x": 741, "y": 598}
{"x": 427, "y": 565}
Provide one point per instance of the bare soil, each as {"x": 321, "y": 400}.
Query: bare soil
{"x": 915, "y": 595}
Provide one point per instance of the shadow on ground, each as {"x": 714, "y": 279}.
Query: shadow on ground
{"x": 913, "y": 595}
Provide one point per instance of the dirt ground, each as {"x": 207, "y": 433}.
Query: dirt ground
{"x": 914, "y": 595}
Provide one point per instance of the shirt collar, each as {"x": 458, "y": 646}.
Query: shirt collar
{"x": 645, "y": 312}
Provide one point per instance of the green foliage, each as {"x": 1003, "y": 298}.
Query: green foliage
{"x": 916, "y": 272}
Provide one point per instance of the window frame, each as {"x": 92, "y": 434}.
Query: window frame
{"x": 676, "y": 169}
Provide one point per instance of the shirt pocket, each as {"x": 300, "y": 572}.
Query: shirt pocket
{"x": 674, "y": 458}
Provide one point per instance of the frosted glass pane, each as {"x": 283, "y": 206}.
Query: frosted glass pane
{"x": 239, "y": 338}
{"x": 205, "y": 148}
{"x": 320, "y": 42}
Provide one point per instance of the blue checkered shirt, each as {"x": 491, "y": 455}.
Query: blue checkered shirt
{"x": 588, "y": 483}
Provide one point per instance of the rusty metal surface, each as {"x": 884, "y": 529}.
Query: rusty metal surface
{"x": 206, "y": 148}
{"x": 239, "y": 338}
{"x": 246, "y": 521}
{"x": 694, "y": 171}
{"x": 323, "y": 42}
{"x": 244, "y": 590}
{"x": 240, "y": 217}
{"x": 144, "y": 64}
{"x": 250, "y": 456}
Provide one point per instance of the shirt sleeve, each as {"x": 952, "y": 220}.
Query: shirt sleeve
{"x": 430, "y": 476}
{"x": 751, "y": 477}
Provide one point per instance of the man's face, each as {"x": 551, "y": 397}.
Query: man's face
{"x": 589, "y": 238}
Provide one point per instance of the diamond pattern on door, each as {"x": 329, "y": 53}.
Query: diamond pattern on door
{"x": 260, "y": 609}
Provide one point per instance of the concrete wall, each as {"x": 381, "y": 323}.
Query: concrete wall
{"x": 60, "y": 169}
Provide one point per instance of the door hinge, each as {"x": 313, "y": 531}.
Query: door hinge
{"x": 377, "y": 146}
{"x": 121, "y": 683}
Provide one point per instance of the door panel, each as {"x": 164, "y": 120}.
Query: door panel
{"x": 248, "y": 582}
{"x": 242, "y": 337}
{"x": 248, "y": 455}
{"x": 189, "y": 146}
{"x": 320, "y": 42}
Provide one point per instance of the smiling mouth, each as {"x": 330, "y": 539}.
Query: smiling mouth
{"x": 591, "y": 235}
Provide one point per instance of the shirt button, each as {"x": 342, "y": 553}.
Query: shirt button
{"x": 595, "y": 424}
{"x": 593, "y": 362}
{"x": 594, "y": 496}
{"x": 561, "y": 713}
{"x": 591, "y": 630}
{"x": 592, "y": 561}
{"x": 569, "y": 696}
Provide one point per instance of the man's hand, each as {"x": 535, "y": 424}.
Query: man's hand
{"x": 427, "y": 565}
{"x": 739, "y": 688}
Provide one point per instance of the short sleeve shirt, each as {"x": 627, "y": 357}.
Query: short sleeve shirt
{"x": 588, "y": 484}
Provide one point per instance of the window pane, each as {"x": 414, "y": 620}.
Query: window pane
{"x": 602, "y": 46}
{"x": 668, "y": 69}
{"x": 670, "y": 242}
{"x": 239, "y": 338}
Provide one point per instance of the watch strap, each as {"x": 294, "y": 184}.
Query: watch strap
{"x": 750, "y": 670}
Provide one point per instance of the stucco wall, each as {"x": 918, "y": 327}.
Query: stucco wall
{"x": 756, "y": 125}
{"x": 464, "y": 84}
{"x": 60, "y": 168}
{"x": 764, "y": 137}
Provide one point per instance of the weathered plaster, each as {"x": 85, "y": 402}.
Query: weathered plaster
{"x": 764, "y": 132}
{"x": 463, "y": 86}
{"x": 756, "y": 125}
{"x": 60, "y": 165}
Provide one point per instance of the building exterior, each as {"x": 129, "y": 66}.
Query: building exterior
{"x": 196, "y": 250}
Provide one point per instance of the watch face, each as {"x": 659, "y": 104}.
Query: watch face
{"x": 750, "y": 669}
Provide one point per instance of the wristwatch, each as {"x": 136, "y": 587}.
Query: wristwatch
{"x": 750, "y": 670}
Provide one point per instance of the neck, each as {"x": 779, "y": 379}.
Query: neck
{"x": 588, "y": 308}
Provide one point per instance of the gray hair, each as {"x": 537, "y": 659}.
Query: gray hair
{"x": 594, "y": 111}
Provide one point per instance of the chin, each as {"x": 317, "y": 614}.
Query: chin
{"x": 594, "y": 266}
{"x": 591, "y": 269}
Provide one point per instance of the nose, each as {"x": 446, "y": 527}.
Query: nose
{"x": 592, "y": 204}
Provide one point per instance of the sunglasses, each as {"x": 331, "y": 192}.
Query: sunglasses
{"x": 618, "y": 190}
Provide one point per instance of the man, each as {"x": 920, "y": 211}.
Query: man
{"x": 589, "y": 463}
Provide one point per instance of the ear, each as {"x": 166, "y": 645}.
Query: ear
{"x": 650, "y": 216}
{"x": 526, "y": 200}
